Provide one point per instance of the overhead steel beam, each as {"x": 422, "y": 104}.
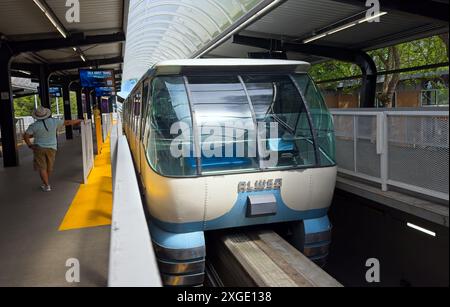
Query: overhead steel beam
{"x": 19, "y": 74}
{"x": 427, "y": 8}
{"x": 32, "y": 68}
{"x": 81, "y": 64}
{"x": 74, "y": 40}
{"x": 358, "y": 57}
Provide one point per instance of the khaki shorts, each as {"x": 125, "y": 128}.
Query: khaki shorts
{"x": 44, "y": 159}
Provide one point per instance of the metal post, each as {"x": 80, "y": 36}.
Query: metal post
{"x": 384, "y": 143}
{"x": 67, "y": 109}
{"x": 44, "y": 76}
{"x": 79, "y": 102}
{"x": 35, "y": 102}
{"x": 87, "y": 95}
{"x": 57, "y": 106}
{"x": 7, "y": 120}
{"x": 355, "y": 143}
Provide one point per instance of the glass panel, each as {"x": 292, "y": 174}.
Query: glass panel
{"x": 170, "y": 146}
{"x": 276, "y": 101}
{"x": 225, "y": 123}
{"x": 322, "y": 119}
{"x": 144, "y": 110}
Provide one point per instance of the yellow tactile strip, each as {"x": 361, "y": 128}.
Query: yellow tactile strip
{"x": 92, "y": 205}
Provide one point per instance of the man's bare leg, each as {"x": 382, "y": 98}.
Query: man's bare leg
{"x": 44, "y": 176}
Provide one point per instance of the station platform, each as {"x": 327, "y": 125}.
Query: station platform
{"x": 42, "y": 231}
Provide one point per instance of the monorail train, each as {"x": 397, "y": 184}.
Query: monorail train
{"x": 225, "y": 143}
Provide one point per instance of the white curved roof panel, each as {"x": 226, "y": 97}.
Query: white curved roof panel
{"x": 160, "y": 30}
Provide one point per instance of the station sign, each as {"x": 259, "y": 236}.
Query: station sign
{"x": 54, "y": 92}
{"x": 96, "y": 78}
{"x": 104, "y": 91}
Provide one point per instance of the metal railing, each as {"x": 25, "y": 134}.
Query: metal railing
{"x": 87, "y": 149}
{"x": 20, "y": 130}
{"x": 106, "y": 125}
{"x": 132, "y": 261}
{"x": 406, "y": 149}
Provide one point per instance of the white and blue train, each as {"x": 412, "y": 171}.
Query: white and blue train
{"x": 182, "y": 110}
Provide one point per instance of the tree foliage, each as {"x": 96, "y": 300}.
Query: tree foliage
{"x": 431, "y": 50}
{"x": 24, "y": 106}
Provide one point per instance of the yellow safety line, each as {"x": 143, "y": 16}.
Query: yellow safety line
{"x": 92, "y": 205}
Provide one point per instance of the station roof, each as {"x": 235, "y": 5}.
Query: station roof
{"x": 175, "y": 29}
{"x": 24, "y": 21}
{"x": 299, "y": 20}
{"x": 177, "y": 66}
{"x": 167, "y": 29}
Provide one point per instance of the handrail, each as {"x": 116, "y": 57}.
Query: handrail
{"x": 402, "y": 147}
{"x": 132, "y": 261}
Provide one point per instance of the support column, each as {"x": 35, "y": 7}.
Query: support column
{"x": 87, "y": 94}
{"x": 44, "y": 75}
{"x": 7, "y": 120}
{"x": 78, "y": 91}
{"x": 67, "y": 109}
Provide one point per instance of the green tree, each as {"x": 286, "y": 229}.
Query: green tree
{"x": 24, "y": 106}
{"x": 431, "y": 50}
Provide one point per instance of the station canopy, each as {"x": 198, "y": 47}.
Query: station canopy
{"x": 38, "y": 22}
{"x": 175, "y": 29}
{"x": 167, "y": 29}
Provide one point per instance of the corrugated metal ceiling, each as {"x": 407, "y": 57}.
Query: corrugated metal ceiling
{"x": 299, "y": 19}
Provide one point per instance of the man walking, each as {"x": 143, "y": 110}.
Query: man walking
{"x": 44, "y": 132}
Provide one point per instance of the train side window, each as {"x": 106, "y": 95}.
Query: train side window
{"x": 322, "y": 119}
{"x": 137, "y": 112}
{"x": 170, "y": 142}
{"x": 146, "y": 114}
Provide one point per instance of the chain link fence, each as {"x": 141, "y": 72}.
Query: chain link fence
{"x": 398, "y": 148}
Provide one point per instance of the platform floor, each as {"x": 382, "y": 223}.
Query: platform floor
{"x": 33, "y": 251}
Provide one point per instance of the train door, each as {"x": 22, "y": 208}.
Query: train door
{"x": 131, "y": 135}
{"x": 145, "y": 108}
{"x": 137, "y": 127}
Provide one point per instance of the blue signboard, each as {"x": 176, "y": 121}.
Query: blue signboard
{"x": 104, "y": 91}
{"x": 96, "y": 78}
{"x": 54, "y": 92}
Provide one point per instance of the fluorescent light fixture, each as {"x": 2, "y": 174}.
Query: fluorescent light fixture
{"x": 421, "y": 229}
{"x": 241, "y": 26}
{"x": 372, "y": 17}
{"x": 83, "y": 58}
{"x": 39, "y": 4}
{"x": 25, "y": 72}
{"x": 343, "y": 27}
{"x": 50, "y": 17}
{"x": 314, "y": 38}
{"x": 75, "y": 49}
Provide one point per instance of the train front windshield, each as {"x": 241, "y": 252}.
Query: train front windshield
{"x": 206, "y": 125}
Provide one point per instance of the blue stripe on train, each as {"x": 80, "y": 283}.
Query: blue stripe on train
{"x": 237, "y": 217}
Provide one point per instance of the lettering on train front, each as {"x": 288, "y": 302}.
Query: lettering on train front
{"x": 260, "y": 185}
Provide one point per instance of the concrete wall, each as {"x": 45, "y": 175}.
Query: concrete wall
{"x": 408, "y": 99}
{"x": 363, "y": 229}
{"x": 342, "y": 101}
{"x": 405, "y": 99}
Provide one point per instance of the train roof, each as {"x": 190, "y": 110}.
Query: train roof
{"x": 205, "y": 65}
